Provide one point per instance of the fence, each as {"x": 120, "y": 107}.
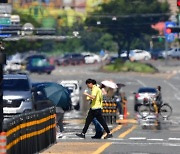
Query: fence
{"x": 28, "y": 133}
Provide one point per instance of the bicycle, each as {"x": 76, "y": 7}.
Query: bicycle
{"x": 150, "y": 106}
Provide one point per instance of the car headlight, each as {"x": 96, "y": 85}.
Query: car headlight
{"x": 27, "y": 100}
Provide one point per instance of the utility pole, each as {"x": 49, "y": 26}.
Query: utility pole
{"x": 2, "y": 62}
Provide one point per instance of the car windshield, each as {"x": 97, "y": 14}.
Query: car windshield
{"x": 39, "y": 62}
{"x": 147, "y": 90}
{"x": 16, "y": 85}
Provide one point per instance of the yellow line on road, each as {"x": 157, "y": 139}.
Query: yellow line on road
{"x": 114, "y": 130}
{"x": 127, "y": 132}
{"x": 102, "y": 148}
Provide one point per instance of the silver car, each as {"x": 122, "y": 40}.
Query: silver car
{"x": 143, "y": 92}
{"x": 17, "y": 95}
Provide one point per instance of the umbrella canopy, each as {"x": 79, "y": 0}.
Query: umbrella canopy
{"x": 56, "y": 93}
{"x": 120, "y": 85}
{"x": 109, "y": 84}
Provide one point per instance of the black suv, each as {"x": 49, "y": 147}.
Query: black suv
{"x": 71, "y": 59}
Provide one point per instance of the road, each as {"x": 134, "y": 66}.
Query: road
{"x": 129, "y": 137}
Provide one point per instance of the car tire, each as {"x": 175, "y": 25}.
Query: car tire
{"x": 136, "y": 108}
{"x": 146, "y": 58}
{"x": 77, "y": 107}
{"x": 95, "y": 61}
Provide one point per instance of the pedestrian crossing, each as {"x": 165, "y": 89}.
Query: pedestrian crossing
{"x": 71, "y": 136}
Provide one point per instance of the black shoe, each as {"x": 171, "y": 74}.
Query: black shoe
{"x": 96, "y": 137}
{"x": 108, "y": 136}
{"x": 81, "y": 135}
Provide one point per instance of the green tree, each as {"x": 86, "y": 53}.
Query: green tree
{"x": 128, "y": 20}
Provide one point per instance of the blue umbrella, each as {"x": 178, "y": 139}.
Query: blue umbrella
{"x": 57, "y": 94}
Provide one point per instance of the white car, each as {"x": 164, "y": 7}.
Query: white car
{"x": 175, "y": 53}
{"x": 138, "y": 54}
{"x": 91, "y": 58}
{"x": 74, "y": 87}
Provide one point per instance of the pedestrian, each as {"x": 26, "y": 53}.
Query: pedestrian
{"x": 99, "y": 129}
{"x": 95, "y": 110}
{"x": 59, "y": 121}
{"x": 159, "y": 97}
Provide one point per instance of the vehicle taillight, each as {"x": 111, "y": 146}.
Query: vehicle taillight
{"x": 137, "y": 95}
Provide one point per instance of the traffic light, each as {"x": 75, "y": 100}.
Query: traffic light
{"x": 172, "y": 30}
{"x": 168, "y": 30}
{"x": 178, "y": 3}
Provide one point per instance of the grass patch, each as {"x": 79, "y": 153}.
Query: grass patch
{"x": 128, "y": 66}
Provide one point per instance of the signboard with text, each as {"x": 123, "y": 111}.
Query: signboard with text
{"x": 5, "y": 8}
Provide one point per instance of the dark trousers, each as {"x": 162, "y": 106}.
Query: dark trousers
{"x": 97, "y": 113}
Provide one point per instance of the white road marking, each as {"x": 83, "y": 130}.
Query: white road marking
{"x": 137, "y": 138}
{"x": 147, "y": 144}
{"x": 176, "y": 89}
{"x": 174, "y": 139}
{"x": 143, "y": 84}
{"x": 155, "y": 139}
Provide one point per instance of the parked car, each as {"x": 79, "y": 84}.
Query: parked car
{"x": 74, "y": 88}
{"x": 14, "y": 63}
{"x": 47, "y": 94}
{"x": 38, "y": 64}
{"x": 175, "y": 53}
{"x": 17, "y": 94}
{"x": 91, "y": 58}
{"x": 167, "y": 53}
{"x": 71, "y": 59}
{"x": 156, "y": 54}
{"x": 143, "y": 92}
{"x": 139, "y": 55}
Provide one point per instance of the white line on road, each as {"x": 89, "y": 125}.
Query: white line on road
{"x": 173, "y": 87}
{"x": 174, "y": 139}
{"x": 147, "y": 144}
{"x": 137, "y": 138}
{"x": 143, "y": 84}
{"x": 155, "y": 139}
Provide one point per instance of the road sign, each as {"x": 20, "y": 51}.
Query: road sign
{"x": 169, "y": 36}
{"x": 5, "y": 8}
{"x": 5, "y": 21}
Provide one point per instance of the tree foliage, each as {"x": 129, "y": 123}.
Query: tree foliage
{"x": 128, "y": 20}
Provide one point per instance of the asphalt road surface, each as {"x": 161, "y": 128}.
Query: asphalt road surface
{"x": 130, "y": 136}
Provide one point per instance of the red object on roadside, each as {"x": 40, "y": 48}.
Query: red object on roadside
{"x": 178, "y": 3}
{"x": 125, "y": 109}
{"x": 168, "y": 30}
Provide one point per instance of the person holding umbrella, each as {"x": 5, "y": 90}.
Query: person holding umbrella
{"x": 95, "y": 110}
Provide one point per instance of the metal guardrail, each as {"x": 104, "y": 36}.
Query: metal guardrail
{"x": 29, "y": 133}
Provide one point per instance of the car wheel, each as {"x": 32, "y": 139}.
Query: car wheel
{"x": 146, "y": 58}
{"x": 95, "y": 62}
{"x": 136, "y": 108}
{"x": 77, "y": 107}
